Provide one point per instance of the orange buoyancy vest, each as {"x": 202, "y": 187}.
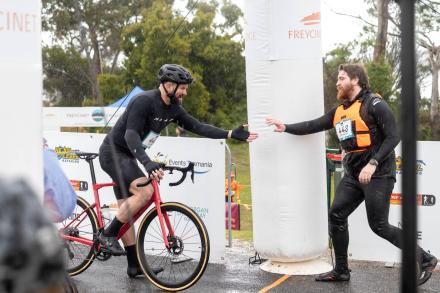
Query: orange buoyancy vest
{"x": 352, "y": 131}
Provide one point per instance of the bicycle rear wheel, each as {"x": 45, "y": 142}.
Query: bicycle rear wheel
{"x": 180, "y": 266}
{"x": 69, "y": 286}
{"x": 82, "y": 223}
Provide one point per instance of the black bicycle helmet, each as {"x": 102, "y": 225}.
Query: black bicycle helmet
{"x": 174, "y": 73}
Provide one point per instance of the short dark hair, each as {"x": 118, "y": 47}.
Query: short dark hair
{"x": 356, "y": 70}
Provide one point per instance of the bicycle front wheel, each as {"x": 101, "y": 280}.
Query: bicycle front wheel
{"x": 82, "y": 223}
{"x": 181, "y": 265}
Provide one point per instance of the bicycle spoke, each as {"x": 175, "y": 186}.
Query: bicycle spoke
{"x": 80, "y": 226}
{"x": 186, "y": 256}
{"x": 155, "y": 237}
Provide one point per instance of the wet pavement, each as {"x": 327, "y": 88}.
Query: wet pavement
{"x": 236, "y": 275}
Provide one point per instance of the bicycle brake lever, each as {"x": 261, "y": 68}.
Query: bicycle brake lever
{"x": 191, "y": 166}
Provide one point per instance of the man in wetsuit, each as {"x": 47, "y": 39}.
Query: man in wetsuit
{"x": 140, "y": 125}
{"x": 367, "y": 132}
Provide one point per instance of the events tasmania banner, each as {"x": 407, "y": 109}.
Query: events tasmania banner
{"x": 205, "y": 195}
{"x": 365, "y": 245}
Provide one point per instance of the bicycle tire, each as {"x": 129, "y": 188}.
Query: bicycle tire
{"x": 69, "y": 286}
{"x": 179, "y": 258}
{"x": 77, "y": 251}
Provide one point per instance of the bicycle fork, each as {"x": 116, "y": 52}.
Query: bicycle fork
{"x": 163, "y": 217}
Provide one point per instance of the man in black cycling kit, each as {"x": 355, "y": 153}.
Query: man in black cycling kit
{"x": 140, "y": 125}
{"x": 367, "y": 132}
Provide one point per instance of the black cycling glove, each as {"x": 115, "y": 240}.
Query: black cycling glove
{"x": 151, "y": 166}
{"x": 240, "y": 134}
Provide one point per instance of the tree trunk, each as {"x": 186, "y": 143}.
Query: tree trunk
{"x": 434, "y": 57}
{"x": 115, "y": 61}
{"x": 382, "y": 30}
{"x": 96, "y": 67}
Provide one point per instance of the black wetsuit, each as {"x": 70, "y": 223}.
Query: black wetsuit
{"x": 350, "y": 192}
{"x": 146, "y": 113}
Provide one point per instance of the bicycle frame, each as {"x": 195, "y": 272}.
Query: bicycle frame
{"x": 155, "y": 198}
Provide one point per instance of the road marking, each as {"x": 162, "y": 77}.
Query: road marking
{"x": 274, "y": 284}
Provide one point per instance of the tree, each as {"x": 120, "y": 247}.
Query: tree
{"x": 382, "y": 31}
{"x": 202, "y": 46}
{"x": 112, "y": 87}
{"x": 66, "y": 75}
{"x": 385, "y": 42}
{"x": 93, "y": 28}
{"x": 427, "y": 24}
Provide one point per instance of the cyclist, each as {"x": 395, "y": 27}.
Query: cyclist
{"x": 367, "y": 132}
{"x": 138, "y": 128}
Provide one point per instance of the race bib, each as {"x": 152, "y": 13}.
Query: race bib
{"x": 150, "y": 139}
{"x": 344, "y": 129}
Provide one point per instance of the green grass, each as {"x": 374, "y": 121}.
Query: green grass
{"x": 240, "y": 157}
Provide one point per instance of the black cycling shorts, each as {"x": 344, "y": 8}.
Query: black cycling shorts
{"x": 128, "y": 169}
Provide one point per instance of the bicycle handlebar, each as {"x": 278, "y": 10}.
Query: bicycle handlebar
{"x": 171, "y": 169}
{"x": 185, "y": 170}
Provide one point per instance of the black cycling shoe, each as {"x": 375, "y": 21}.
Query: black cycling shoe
{"x": 334, "y": 276}
{"x": 111, "y": 245}
{"x": 133, "y": 272}
{"x": 428, "y": 267}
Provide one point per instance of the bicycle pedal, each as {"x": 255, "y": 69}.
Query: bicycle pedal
{"x": 103, "y": 255}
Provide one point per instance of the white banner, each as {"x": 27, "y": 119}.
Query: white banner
{"x": 365, "y": 245}
{"x": 277, "y": 29}
{"x": 205, "y": 195}
{"x": 21, "y": 91}
{"x": 80, "y": 116}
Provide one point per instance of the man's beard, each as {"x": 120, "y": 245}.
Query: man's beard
{"x": 343, "y": 92}
{"x": 175, "y": 100}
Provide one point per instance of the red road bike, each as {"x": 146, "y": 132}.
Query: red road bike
{"x": 171, "y": 236}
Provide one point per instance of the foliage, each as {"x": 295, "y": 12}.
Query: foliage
{"x": 381, "y": 79}
{"x": 93, "y": 29}
{"x": 214, "y": 59}
{"x": 111, "y": 87}
{"x": 66, "y": 81}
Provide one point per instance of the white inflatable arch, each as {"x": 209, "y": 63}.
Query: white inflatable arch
{"x": 284, "y": 80}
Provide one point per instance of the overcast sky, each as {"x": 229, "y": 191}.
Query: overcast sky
{"x": 338, "y": 28}
{"x": 335, "y": 28}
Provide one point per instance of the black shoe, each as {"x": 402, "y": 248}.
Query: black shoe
{"x": 428, "y": 267}
{"x": 133, "y": 272}
{"x": 111, "y": 245}
{"x": 334, "y": 276}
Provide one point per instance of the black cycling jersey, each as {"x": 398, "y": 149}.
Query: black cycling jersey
{"x": 147, "y": 113}
{"x": 379, "y": 119}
